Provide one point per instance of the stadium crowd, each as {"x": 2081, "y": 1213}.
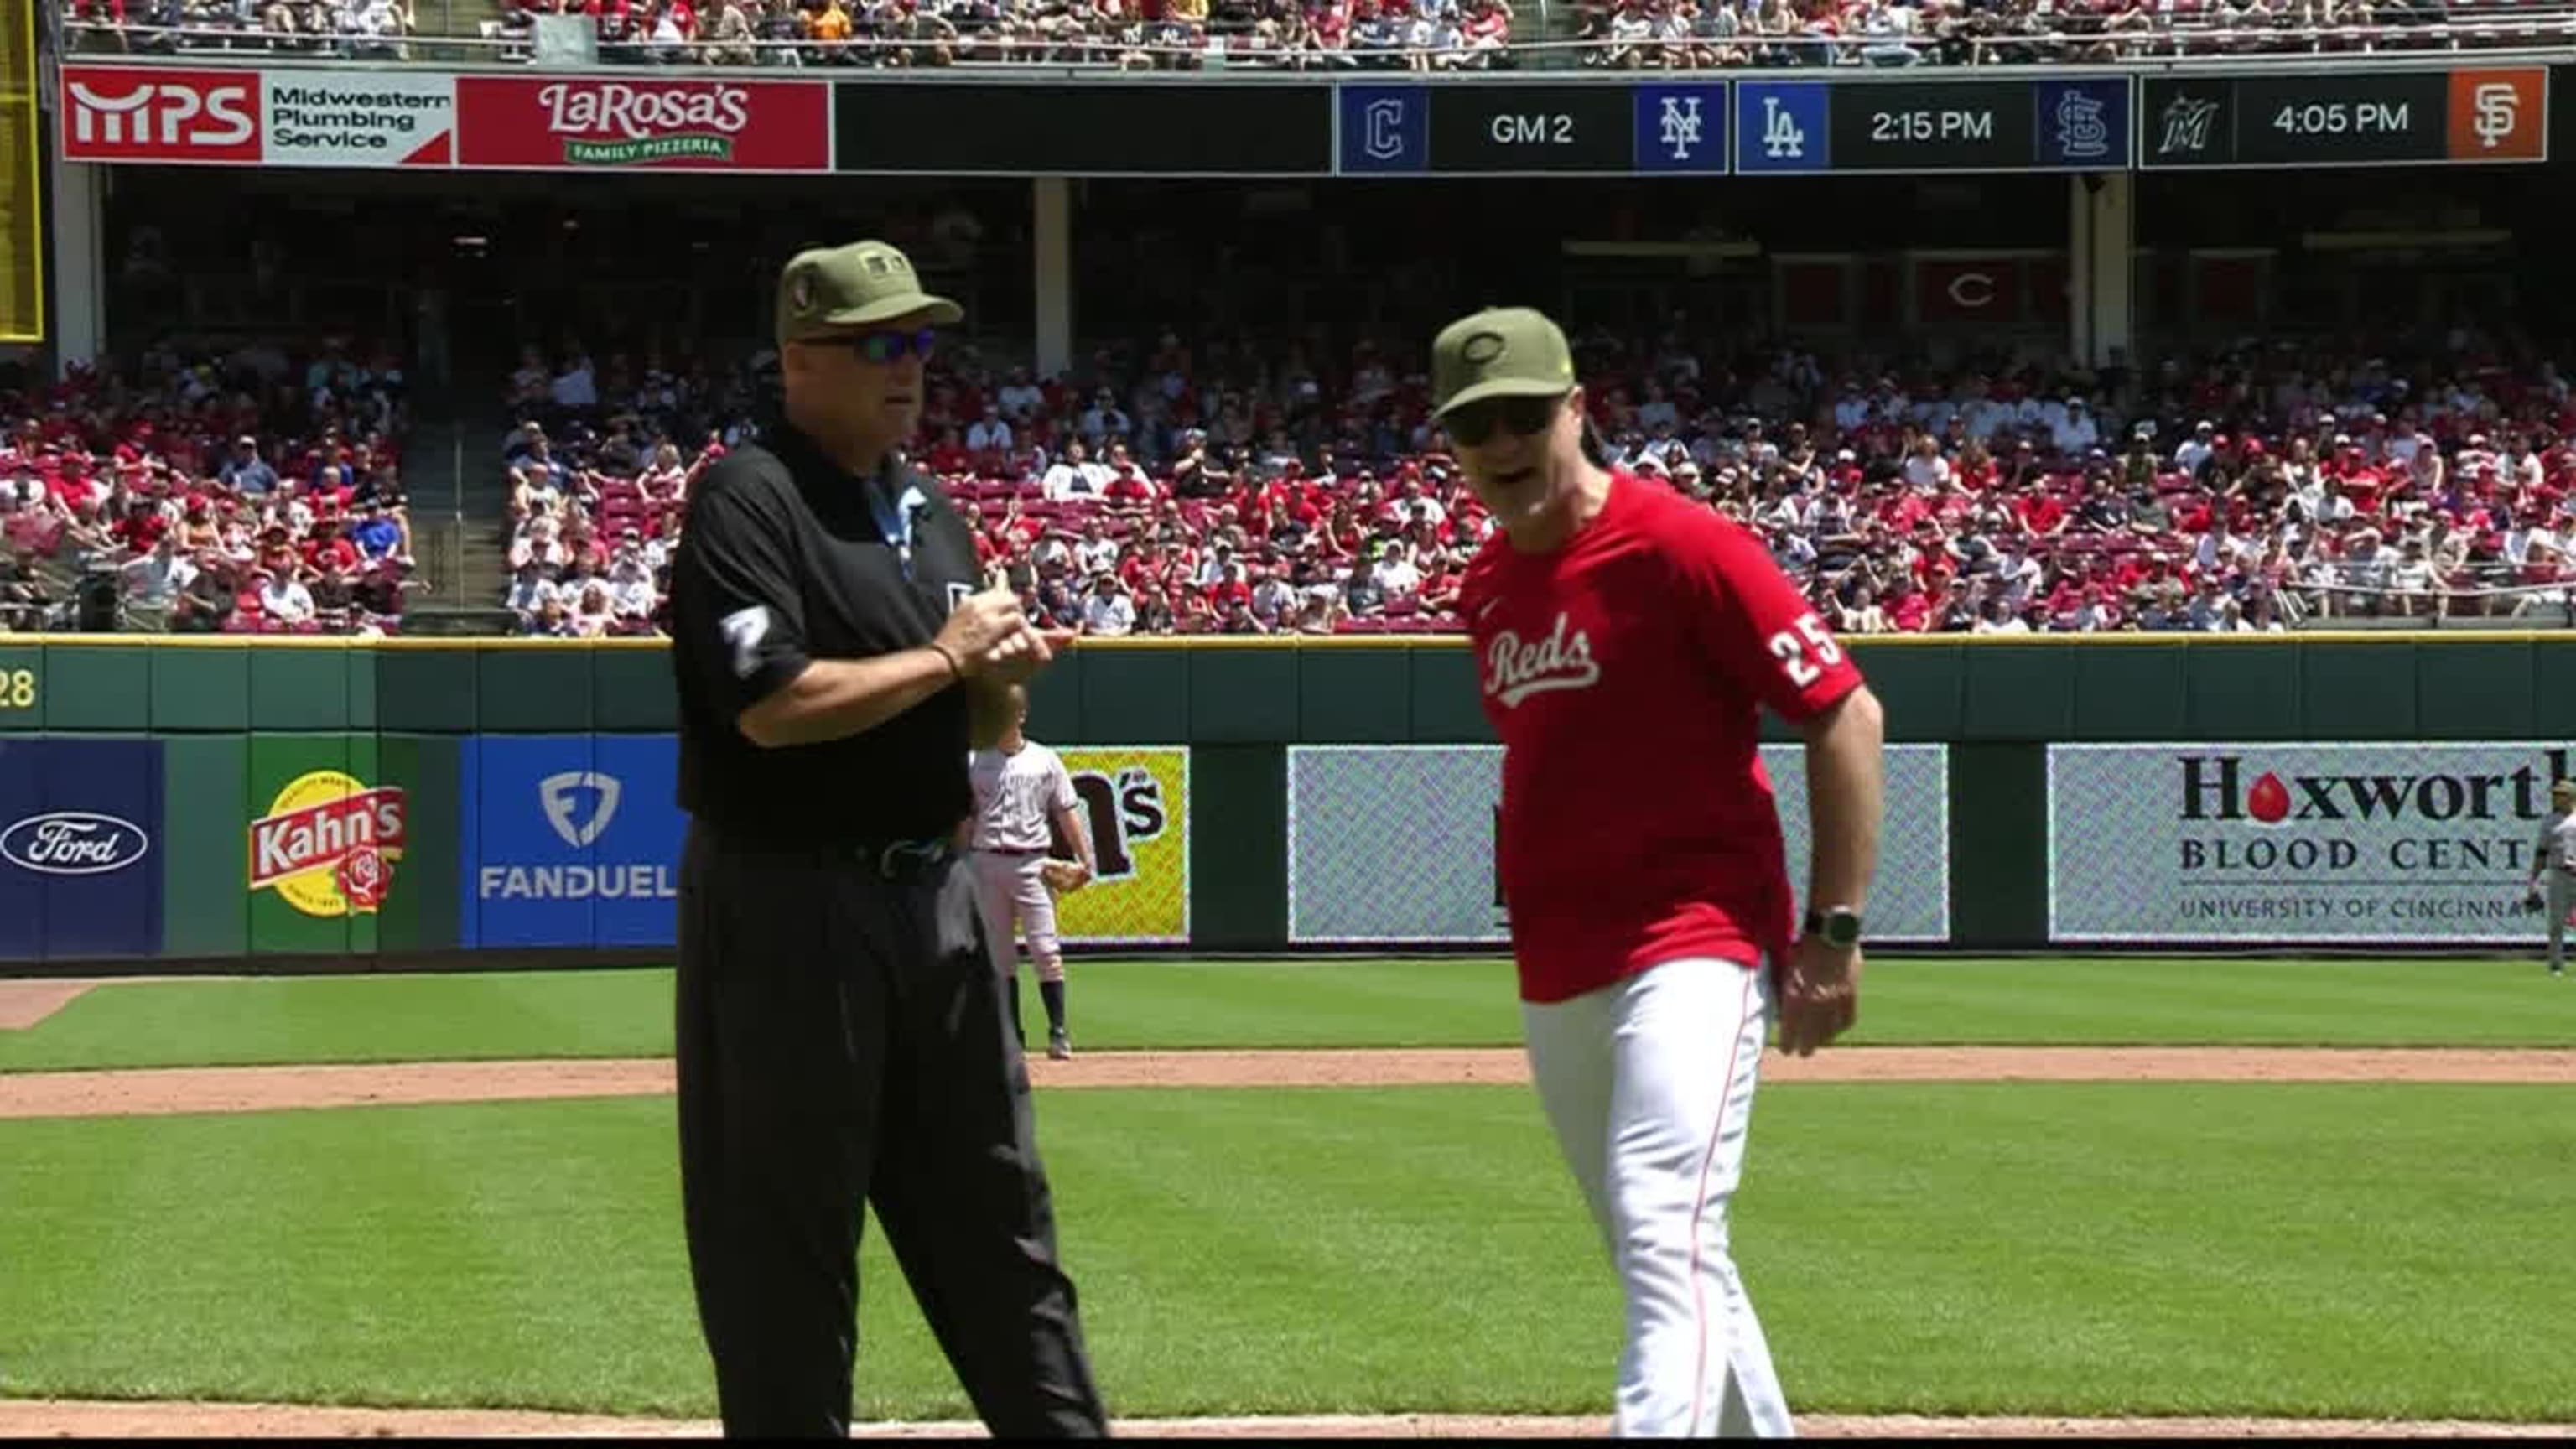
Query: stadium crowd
{"x": 1418, "y": 35}
{"x": 247, "y": 492}
{"x": 312, "y": 29}
{"x": 1704, "y": 34}
{"x": 1215, "y": 489}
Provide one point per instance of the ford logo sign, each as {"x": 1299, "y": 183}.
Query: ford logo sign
{"x": 74, "y": 842}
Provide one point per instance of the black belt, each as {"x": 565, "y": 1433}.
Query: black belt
{"x": 1011, "y": 849}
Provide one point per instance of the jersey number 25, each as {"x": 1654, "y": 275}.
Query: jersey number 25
{"x": 1791, "y": 649}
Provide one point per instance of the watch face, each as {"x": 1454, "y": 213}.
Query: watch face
{"x": 1842, "y": 928}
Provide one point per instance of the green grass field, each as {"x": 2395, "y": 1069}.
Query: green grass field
{"x": 2347, "y": 1250}
{"x": 1920, "y": 1001}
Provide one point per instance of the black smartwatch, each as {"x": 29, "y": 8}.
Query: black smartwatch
{"x": 1838, "y": 927}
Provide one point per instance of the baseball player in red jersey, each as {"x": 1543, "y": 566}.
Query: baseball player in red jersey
{"x": 1626, "y": 639}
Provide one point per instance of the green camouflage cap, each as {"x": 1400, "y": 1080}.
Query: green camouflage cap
{"x": 833, "y": 289}
{"x": 1499, "y": 352}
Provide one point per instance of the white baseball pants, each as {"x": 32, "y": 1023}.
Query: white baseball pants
{"x": 1649, "y": 1085}
{"x": 2560, "y": 888}
{"x": 1014, "y": 896}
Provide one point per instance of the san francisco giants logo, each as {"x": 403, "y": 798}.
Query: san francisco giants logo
{"x": 2495, "y": 113}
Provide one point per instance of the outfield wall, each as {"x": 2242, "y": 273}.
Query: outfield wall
{"x": 230, "y": 804}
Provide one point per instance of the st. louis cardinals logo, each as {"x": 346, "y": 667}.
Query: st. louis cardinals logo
{"x": 1515, "y": 670}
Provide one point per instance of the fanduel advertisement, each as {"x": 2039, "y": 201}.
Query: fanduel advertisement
{"x": 2365, "y": 844}
{"x": 571, "y": 840}
{"x": 1393, "y": 844}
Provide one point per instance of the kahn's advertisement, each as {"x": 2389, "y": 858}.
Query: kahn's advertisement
{"x": 2384, "y": 844}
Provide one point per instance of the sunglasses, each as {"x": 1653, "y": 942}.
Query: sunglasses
{"x": 1471, "y": 425}
{"x": 884, "y": 347}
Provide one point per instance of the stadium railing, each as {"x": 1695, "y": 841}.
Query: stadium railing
{"x": 2485, "y": 28}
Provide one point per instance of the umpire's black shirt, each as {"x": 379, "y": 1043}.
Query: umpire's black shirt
{"x": 783, "y": 561}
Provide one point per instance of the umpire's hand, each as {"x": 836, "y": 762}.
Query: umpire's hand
{"x": 989, "y": 635}
{"x": 984, "y": 630}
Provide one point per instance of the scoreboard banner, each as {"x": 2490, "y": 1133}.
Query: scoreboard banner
{"x": 1247, "y": 127}
{"x": 1394, "y": 844}
{"x": 22, "y": 219}
{"x": 1543, "y": 129}
{"x": 2258, "y": 843}
{"x": 2347, "y": 118}
{"x": 276, "y": 113}
{"x": 1859, "y": 128}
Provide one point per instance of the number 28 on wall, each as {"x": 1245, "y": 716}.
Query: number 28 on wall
{"x": 17, "y": 689}
{"x": 1792, "y": 647}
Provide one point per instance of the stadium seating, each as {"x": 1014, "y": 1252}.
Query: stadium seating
{"x": 243, "y": 493}
{"x": 2003, "y": 501}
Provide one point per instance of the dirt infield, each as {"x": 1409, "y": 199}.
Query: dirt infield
{"x": 25, "y": 1003}
{"x": 263, "y": 1089}
{"x": 51, "y": 1419}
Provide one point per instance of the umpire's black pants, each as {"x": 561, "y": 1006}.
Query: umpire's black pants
{"x": 842, "y": 1040}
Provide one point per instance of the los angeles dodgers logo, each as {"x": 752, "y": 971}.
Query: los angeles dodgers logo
{"x": 1515, "y": 670}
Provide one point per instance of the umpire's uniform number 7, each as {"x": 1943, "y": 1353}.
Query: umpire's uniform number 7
{"x": 841, "y": 1034}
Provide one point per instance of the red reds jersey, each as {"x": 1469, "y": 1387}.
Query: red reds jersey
{"x": 1624, "y": 673}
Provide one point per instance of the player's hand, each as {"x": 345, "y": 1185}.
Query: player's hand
{"x": 979, "y": 629}
{"x": 1819, "y": 995}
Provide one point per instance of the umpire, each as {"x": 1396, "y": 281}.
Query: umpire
{"x": 842, "y": 1037}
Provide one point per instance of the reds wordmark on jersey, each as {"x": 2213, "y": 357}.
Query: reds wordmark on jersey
{"x": 1625, "y": 673}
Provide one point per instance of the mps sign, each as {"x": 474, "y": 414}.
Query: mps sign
{"x": 169, "y": 115}
{"x": 2363, "y": 844}
{"x": 1394, "y": 844}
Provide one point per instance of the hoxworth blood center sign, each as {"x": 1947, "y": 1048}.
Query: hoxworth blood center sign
{"x": 2361, "y": 843}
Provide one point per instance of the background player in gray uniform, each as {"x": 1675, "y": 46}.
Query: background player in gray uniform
{"x": 2553, "y": 857}
{"x": 1021, "y": 787}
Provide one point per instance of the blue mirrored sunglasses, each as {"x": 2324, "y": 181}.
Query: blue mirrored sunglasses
{"x": 885, "y": 347}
